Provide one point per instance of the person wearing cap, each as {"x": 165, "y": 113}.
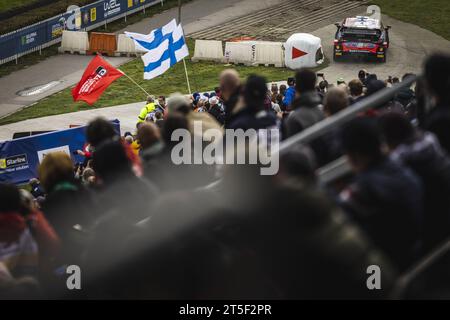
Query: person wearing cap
{"x": 149, "y": 107}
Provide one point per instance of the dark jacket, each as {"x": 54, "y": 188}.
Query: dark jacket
{"x": 305, "y": 113}
{"x": 438, "y": 122}
{"x": 217, "y": 113}
{"x": 247, "y": 119}
{"x": 386, "y": 200}
{"x": 427, "y": 159}
{"x": 404, "y": 96}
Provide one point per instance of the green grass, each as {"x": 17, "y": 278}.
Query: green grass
{"x": 6, "y": 5}
{"x": 203, "y": 76}
{"x": 433, "y": 15}
{"x": 38, "y": 14}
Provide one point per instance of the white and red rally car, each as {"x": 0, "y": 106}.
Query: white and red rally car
{"x": 361, "y": 36}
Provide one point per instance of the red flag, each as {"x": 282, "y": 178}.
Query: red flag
{"x": 98, "y": 76}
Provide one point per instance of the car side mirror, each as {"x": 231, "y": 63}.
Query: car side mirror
{"x": 337, "y": 24}
{"x": 388, "y": 27}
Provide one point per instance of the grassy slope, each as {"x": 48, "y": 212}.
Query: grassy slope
{"x": 8, "y": 4}
{"x": 203, "y": 76}
{"x": 433, "y": 15}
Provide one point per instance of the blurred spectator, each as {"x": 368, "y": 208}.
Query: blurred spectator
{"x": 306, "y": 110}
{"x": 374, "y": 86}
{"x": 36, "y": 189}
{"x": 18, "y": 249}
{"x": 88, "y": 177}
{"x": 149, "y": 138}
{"x": 335, "y": 101}
{"x": 422, "y": 153}
{"x": 252, "y": 115}
{"x": 362, "y": 76}
{"x": 114, "y": 173}
{"x": 385, "y": 198}
{"x": 159, "y": 119}
{"x": 99, "y": 130}
{"x": 437, "y": 77}
{"x": 48, "y": 242}
{"x": 216, "y": 111}
{"x": 57, "y": 178}
{"x": 356, "y": 90}
{"x": 230, "y": 88}
{"x": 405, "y": 95}
{"x": 177, "y": 103}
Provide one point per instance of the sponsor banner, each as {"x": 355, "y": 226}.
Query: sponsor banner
{"x": 51, "y": 29}
{"x": 20, "y": 158}
{"x": 28, "y": 39}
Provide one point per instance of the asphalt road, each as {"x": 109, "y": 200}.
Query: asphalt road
{"x": 410, "y": 44}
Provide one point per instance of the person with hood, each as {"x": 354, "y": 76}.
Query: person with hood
{"x": 306, "y": 111}
{"x": 18, "y": 249}
{"x": 437, "y": 78}
{"x": 421, "y": 152}
{"x": 385, "y": 198}
{"x": 251, "y": 114}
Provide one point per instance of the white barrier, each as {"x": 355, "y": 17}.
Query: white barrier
{"x": 240, "y": 52}
{"x": 208, "y": 50}
{"x": 126, "y": 46}
{"x": 269, "y": 53}
{"x": 74, "y": 41}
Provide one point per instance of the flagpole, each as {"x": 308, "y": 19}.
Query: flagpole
{"x": 137, "y": 84}
{"x": 187, "y": 77}
{"x": 184, "y": 61}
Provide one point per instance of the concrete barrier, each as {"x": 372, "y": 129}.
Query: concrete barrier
{"x": 240, "y": 52}
{"x": 269, "y": 53}
{"x": 126, "y": 46}
{"x": 208, "y": 50}
{"x": 74, "y": 42}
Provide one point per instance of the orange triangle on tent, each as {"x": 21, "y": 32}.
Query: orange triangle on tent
{"x": 296, "y": 53}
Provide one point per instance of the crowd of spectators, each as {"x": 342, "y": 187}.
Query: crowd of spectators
{"x": 140, "y": 226}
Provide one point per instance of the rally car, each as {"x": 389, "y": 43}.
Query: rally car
{"x": 361, "y": 36}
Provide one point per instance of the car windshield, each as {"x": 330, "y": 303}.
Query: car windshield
{"x": 352, "y": 34}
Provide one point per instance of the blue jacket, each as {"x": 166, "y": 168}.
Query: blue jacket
{"x": 289, "y": 96}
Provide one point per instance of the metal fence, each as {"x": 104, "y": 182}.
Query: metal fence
{"x": 38, "y": 36}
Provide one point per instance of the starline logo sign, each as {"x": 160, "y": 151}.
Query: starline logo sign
{"x": 90, "y": 83}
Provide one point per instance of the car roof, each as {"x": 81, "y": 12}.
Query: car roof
{"x": 362, "y": 22}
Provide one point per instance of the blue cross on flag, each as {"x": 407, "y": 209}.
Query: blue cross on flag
{"x": 164, "y": 46}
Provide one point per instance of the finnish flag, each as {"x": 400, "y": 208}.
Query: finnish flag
{"x": 164, "y": 46}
